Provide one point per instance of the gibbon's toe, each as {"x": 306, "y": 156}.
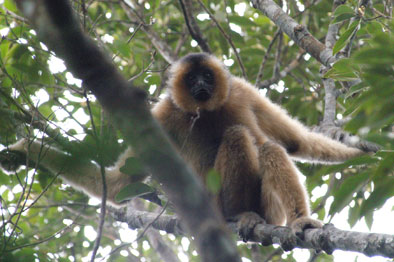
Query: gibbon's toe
{"x": 301, "y": 224}
{"x": 246, "y": 223}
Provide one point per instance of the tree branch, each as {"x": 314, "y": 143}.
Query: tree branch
{"x": 298, "y": 33}
{"x": 328, "y": 238}
{"x": 160, "y": 45}
{"x": 327, "y": 126}
{"x": 138, "y": 219}
{"x": 228, "y": 38}
{"x": 261, "y": 68}
{"x": 194, "y": 29}
{"x": 155, "y": 239}
{"x": 127, "y": 107}
{"x": 276, "y": 77}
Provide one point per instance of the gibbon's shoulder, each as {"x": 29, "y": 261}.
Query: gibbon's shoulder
{"x": 243, "y": 92}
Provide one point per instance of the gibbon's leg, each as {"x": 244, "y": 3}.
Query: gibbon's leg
{"x": 237, "y": 163}
{"x": 282, "y": 192}
{"x": 83, "y": 175}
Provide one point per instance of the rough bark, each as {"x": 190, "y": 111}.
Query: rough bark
{"x": 295, "y": 31}
{"x": 328, "y": 238}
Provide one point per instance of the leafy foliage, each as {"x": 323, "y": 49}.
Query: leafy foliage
{"x": 45, "y": 220}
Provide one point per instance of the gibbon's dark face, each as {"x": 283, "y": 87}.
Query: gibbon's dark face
{"x": 200, "y": 82}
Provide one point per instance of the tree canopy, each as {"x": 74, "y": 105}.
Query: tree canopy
{"x": 329, "y": 63}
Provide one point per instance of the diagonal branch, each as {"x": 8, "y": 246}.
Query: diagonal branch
{"x": 126, "y": 105}
{"x": 261, "y": 68}
{"x": 194, "y": 29}
{"x": 276, "y": 77}
{"x": 160, "y": 45}
{"x": 228, "y": 38}
{"x": 298, "y": 33}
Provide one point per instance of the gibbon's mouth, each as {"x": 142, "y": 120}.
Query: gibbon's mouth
{"x": 202, "y": 95}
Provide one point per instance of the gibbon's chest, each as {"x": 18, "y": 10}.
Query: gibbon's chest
{"x": 199, "y": 137}
{"x": 208, "y": 128}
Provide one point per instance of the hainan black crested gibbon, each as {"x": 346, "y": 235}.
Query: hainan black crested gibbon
{"x": 219, "y": 121}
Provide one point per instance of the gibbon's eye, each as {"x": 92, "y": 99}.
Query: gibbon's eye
{"x": 190, "y": 78}
{"x": 208, "y": 75}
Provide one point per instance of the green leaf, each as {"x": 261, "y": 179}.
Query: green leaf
{"x": 241, "y": 20}
{"x": 343, "y": 9}
{"x": 10, "y": 6}
{"x": 344, "y": 195}
{"x": 345, "y": 37}
{"x": 342, "y": 17}
{"x": 133, "y": 190}
{"x": 134, "y": 167}
{"x": 213, "y": 181}
{"x": 369, "y": 220}
{"x": 122, "y": 47}
{"x": 378, "y": 197}
{"x": 354, "y": 215}
{"x": 44, "y": 178}
{"x": 4, "y": 49}
{"x": 342, "y": 13}
{"x": 340, "y": 73}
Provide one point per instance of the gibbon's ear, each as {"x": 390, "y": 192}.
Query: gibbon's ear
{"x": 180, "y": 91}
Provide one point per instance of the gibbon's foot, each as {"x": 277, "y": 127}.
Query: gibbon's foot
{"x": 302, "y": 223}
{"x": 11, "y": 160}
{"x": 246, "y": 223}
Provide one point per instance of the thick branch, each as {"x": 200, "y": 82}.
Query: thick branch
{"x": 330, "y": 98}
{"x": 139, "y": 219}
{"x": 127, "y": 107}
{"x": 328, "y": 238}
{"x": 327, "y": 126}
{"x": 295, "y": 31}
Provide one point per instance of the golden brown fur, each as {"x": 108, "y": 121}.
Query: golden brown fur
{"x": 243, "y": 135}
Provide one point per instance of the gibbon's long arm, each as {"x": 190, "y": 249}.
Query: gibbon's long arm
{"x": 299, "y": 142}
{"x": 83, "y": 175}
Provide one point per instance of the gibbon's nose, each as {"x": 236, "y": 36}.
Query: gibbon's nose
{"x": 200, "y": 82}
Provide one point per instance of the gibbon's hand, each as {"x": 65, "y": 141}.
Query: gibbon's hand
{"x": 301, "y": 224}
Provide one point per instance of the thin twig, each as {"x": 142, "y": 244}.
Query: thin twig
{"x": 61, "y": 231}
{"x": 265, "y": 58}
{"x": 228, "y": 38}
{"x": 194, "y": 29}
{"x": 278, "y": 53}
{"x": 151, "y": 223}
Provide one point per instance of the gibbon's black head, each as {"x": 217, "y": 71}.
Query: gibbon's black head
{"x": 199, "y": 80}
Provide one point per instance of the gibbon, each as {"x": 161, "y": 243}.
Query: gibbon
{"x": 219, "y": 121}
